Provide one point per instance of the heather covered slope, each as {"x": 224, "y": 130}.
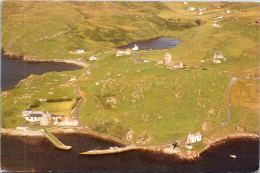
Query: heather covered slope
{"x": 53, "y": 29}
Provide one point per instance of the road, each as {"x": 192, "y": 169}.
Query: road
{"x": 198, "y": 29}
{"x": 81, "y": 101}
{"x": 232, "y": 82}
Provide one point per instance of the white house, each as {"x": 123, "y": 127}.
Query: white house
{"x": 135, "y": 47}
{"x": 34, "y": 117}
{"x": 79, "y": 50}
{"x": 191, "y": 9}
{"x": 192, "y": 138}
{"x": 218, "y": 56}
{"x": 227, "y": 12}
{"x": 202, "y": 9}
{"x": 215, "y": 25}
{"x": 93, "y": 58}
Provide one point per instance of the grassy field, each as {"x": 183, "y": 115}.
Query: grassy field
{"x": 47, "y": 86}
{"x": 143, "y": 103}
{"x": 60, "y": 108}
{"x": 156, "y": 104}
{"x": 245, "y": 94}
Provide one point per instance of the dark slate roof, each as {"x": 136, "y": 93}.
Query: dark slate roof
{"x": 35, "y": 115}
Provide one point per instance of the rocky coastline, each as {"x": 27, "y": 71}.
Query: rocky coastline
{"x": 29, "y": 58}
{"x": 166, "y": 149}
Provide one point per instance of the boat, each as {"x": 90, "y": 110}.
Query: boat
{"x": 233, "y": 156}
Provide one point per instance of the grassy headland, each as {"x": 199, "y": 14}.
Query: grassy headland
{"x": 143, "y": 103}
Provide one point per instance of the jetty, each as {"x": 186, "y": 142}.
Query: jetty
{"x": 54, "y": 140}
{"x": 111, "y": 150}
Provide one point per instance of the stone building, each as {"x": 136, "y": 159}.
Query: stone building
{"x": 167, "y": 58}
{"x": 45, "y": 120}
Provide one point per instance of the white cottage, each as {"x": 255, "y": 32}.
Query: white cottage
{"x": 216, "y": 25}
{"x": 192, "y": 138}
{"x": 135, "y": 47}
{"x": 34, "y": 117}
{"x": 93, "y": 58}
{"x": 227, "y": 12}
{"x": 218, "y": 56}
{"x": 79, "y": 50}
{"x": 191, "y": 9}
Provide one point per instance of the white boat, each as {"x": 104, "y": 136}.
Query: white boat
{"x": 233, "y": 156}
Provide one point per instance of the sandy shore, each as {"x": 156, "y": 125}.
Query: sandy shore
{"x": 163, "y": 149}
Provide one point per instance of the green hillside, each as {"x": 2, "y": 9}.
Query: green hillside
{"x": 143, "y": 103}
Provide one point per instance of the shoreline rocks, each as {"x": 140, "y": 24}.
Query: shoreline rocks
{"x": 163, "y": 149}
{"x": 28, "y": 58}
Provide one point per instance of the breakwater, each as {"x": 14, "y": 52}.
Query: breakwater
{"x": 34, "y": 153}
{"x": 54, "y": 140}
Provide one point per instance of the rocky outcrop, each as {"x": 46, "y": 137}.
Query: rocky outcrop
{"x": 38, "y": 59}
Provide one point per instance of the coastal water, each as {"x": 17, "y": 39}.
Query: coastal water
{"x": 38, "y": 154}
{"x": 154, "y": 44}
{"x": 14, "y": 70}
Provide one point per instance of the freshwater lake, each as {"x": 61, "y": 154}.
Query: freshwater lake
{"x": 154, "y": 44}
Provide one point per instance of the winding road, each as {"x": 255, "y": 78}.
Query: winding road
{"x": 81, "y": 101}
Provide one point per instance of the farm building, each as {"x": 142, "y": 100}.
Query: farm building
{"x": 216, "y": 61}
{"x": 192, "y": 138}
{"x": 177, "y": 65}
{"x": 169, "y": 63}
{"x": 121, "y": 53}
